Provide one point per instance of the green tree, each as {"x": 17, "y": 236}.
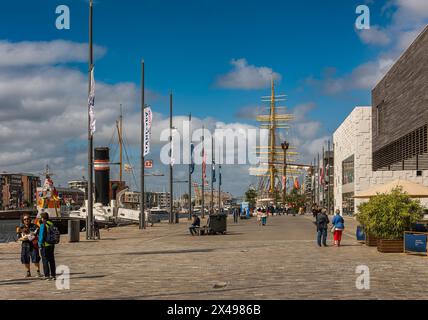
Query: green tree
{"x": 387, "y": 216}
{"x": 295, "y": 199}
{"x": 251, "y": 197}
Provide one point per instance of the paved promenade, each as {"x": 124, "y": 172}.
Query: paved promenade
{"x": 279, "y": 261}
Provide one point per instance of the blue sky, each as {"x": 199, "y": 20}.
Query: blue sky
{"x": 188, "y": 44}
{"x": 325, "y": 66}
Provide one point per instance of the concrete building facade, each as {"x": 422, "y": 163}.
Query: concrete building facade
{"x": 353, "y": 162}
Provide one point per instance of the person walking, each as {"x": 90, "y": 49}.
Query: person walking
{"x": 322, "y": 225}
{"x": 235, "y": 215}
{"x": 264, "y": 217}
{"x": 47, "y": 250}
{"x": 338, "y": 225}
{"x": 259, "y": 216}
{"x": 27, "y": 232}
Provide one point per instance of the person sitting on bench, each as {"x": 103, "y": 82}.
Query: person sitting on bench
{"x": 196, "y": 224}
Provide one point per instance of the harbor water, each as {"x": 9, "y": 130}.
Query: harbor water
{"x": 8, "y": 227}
{"x": 7, "y": 230}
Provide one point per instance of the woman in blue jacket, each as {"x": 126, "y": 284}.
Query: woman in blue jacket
{"x": 339, "y": 226}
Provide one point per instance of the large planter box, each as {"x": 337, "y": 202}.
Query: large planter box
{"x": 371, "y": 241}
{"x": 390, "y": 246}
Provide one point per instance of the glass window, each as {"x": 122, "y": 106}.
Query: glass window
{"x": 348, "y": 170}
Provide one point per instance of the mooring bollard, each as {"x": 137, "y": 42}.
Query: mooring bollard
{"x": 73, "y": 230}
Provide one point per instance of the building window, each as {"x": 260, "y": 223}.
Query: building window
{"x": 348, "y": 170}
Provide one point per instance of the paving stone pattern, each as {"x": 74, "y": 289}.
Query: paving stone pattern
{"x": 278, "y": 261}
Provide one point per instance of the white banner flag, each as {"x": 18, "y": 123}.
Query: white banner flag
{"x": 91, "y": 103}
{"x": 147, "y": 129}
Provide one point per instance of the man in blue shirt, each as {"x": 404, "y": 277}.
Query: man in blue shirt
{"x": 47, "y": 250}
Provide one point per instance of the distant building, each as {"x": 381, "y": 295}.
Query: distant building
{"x": 19, "y": 190}
{"x": 78, "y": 184}
{"x": 152, "y": 199}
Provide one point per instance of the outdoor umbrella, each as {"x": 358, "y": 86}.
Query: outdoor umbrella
{"x": 414, "y": 190}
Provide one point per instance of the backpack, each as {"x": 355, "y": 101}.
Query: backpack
{"x": 52, "y": 235}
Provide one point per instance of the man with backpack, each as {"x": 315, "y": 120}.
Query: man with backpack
{"x": 48, "y": 238}
{"x": 322, "y": 222}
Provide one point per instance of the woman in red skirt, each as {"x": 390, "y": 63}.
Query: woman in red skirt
{"x": 339, "y": 226}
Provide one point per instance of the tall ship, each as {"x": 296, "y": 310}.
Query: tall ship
{"x": 278, "y": 168}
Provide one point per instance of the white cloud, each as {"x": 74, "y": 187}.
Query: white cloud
{"x": 374, "y": 36}
{"x": 408, "y": 18}
{"x": 43, "y": 119}
{"x": 245, "y": 76}
{"x": 28, "y": 53}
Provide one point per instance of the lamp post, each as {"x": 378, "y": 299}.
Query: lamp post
{"x": 285, "y": 146}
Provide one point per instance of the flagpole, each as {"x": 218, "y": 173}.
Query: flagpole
{"x": 323, "y": 176}
{"x": 190, "y": 167}
{"x": 171, "y": 200}
{"x": 203, "y": 178}
{"x": 212, "y": 174}
{"x": 318, "y": 179}
{"x": 89, "y": 219}
{"x": 219, "y": 188}
{"x": 328, "y": 176}
{"x": 142, "y": 224}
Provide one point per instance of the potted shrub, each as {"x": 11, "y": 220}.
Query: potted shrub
{"x": 387, "y": 216}
{"x": 362, "y": 216}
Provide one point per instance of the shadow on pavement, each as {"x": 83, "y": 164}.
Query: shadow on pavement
{"x": 171, "y": 251}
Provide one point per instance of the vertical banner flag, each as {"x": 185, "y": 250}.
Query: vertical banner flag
{"x": 327, "y": 178}
{"x": 213, "y": 172}
{"x": 192, "y": 158}
{"x": 296, "y": 184}
{"x": 322, "y": 175}
{"x": 204, "y": 165}
{"x": 91, "y": 104}
{"x": 172, "y": 159}
{"x": 147, "y": 129}
{"x": 283, "y": 183}
{"x": 219, "y": 174}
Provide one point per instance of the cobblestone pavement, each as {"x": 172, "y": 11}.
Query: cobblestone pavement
{"x": 278, "y": 261}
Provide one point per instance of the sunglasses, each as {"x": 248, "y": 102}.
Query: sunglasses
{"x": 26, "y": 219}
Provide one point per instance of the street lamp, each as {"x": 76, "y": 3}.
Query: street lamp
{"x": 285, "y": 146}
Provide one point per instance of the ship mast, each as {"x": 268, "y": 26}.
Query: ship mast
{"x": 272, "y": 118}
{"x": 120, "y": 138}
{"x": 120, "y": 146}
{"x": 272, "y": 138}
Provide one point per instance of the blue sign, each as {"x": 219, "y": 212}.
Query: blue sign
{"x": 415, "y": 243}
{"x": 245, "y": 210}
{"x": 361, "y": 236}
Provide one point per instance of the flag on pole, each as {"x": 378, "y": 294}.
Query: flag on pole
{"x": 148, "y": 117}
{"x": 192, "y": 158}
{"x": 204, "y": 165}
{"x": 91, "y": 104}
{"x": 283, "y": 183}
{"x": 213, "y": 172}
{"x": 296, "y": 184}
{"x": 322, "y": 175}
{"x": 219, "y": 175}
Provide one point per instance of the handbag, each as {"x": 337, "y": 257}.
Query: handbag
{"x": 333, "y": 229}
